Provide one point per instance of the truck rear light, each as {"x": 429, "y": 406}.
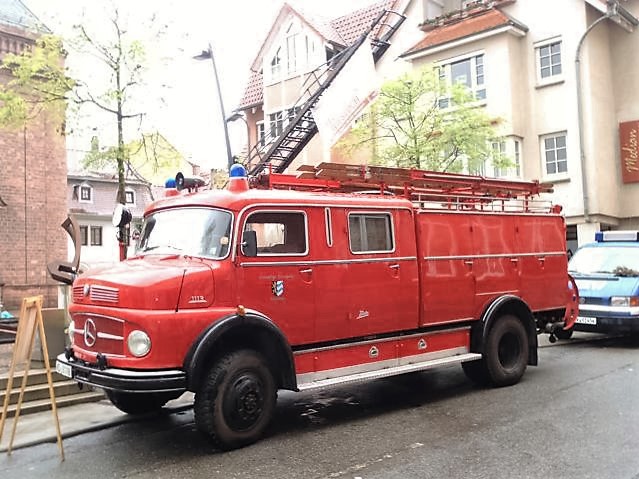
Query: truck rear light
{"x": 139, "y": 343}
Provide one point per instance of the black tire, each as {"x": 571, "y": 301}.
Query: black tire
{"x": 505, "y": 355}
{"x": 564, "y": 333}
{"x": 476, "y": 372}
{"x": 138, "y": 403}
{"x": 235, "y": 403}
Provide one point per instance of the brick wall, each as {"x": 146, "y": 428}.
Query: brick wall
{"x": 33, "y": 185}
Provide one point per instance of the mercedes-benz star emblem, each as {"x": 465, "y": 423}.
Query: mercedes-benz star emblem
{"x": 90, "y": 332}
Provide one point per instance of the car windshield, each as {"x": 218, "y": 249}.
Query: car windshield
{"x": 188, "y": 231}
{"x": 616, "y": 260}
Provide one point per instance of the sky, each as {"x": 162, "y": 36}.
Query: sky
{"x": 180, "y": 97}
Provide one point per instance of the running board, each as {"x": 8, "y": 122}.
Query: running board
{"x": 388, "y": 372}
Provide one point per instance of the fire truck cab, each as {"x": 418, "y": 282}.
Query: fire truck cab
{"x": 337, "y": 275}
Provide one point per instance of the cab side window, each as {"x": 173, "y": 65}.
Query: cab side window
{"x": 279, "y": 232}
{"x": 370, "y": 232}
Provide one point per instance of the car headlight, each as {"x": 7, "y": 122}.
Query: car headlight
{"x": 624, "y": 301}
{"x": 71, "y": 332}
{"x": 139, "y": 343}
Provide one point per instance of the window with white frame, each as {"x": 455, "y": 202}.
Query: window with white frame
{"x": 129, "y": 197}
{"x": 86, "y": 194}
{"x": 510, "y": 149}
{"x": 276, "y": 122}
{"x": 554, "y": 154}
{"x": 294, "y": 53}
{"x": 291, "y": 51}
{"x": 96, "y": 235}
{"x": 84, "y": 235}
{"x": 276, "y": 64}
{"x": 261, "y": 133}
{"x": 468, "y": 71}
{"x": 279, "y": 119}
{"x": 548, "y": 55}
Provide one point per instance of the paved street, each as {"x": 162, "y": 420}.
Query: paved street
{"x": 574, "y": 416}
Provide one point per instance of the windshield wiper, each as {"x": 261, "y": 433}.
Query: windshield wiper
{"x": 151, "y": 248}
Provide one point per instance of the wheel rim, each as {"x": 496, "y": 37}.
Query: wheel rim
{"x": 509, "y": 351}
{"x": 243, "y": 402}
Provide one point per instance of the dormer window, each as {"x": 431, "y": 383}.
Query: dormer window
{"x": 86, "y": 194}
{"x": 129, "y": 197}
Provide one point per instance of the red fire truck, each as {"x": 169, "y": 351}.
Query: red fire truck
{"x": 336, "y": 275}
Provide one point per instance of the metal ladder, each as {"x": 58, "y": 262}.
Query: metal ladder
{"x": 277, "y": 152}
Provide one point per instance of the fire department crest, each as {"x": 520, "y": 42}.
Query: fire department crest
{"x": 277, "y": 287}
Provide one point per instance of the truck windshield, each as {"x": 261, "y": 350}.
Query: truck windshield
{"x": 188, "y": 231}
{"x": 615, "y": 260}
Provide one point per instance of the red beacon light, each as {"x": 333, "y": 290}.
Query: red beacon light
{"x": 238, "y": 181}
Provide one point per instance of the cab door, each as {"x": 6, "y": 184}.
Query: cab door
{"x": 278, "y": 281}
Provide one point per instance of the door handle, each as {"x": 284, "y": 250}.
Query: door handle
{"x": 394, "y": 266}
{"x": 307, "y": 270}
{"x": 468, "y": 262}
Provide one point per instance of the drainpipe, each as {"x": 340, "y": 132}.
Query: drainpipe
{"x": 612, "y": 10}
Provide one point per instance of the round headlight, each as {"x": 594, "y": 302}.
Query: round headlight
{"x": 139, "y": 343}
{"x": 71, "y": 331}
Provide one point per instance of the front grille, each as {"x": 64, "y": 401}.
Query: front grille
{"x": 77, "y": 293}
{"x": 104, "y": 293}
{"x": 102, "y": 334}
{"x": 97, "y": 293}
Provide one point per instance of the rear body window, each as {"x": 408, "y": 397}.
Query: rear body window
{"x": 370, "y": 232}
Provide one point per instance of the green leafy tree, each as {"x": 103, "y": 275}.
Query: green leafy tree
{"x": 40, "y": 81}
{"x": 419, "y": 121}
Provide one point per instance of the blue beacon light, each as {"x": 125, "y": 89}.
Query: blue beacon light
{"x": 238, "y": 180}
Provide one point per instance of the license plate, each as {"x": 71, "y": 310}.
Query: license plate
{"x": 63, "y": 369}
{"x": 586, "y": 320}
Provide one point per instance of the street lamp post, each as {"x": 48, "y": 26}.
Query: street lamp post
{"x": 236, "y": 115}
{"x": 206, "y": 55}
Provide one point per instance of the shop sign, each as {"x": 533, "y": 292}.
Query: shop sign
{"x": 629, "y": 144}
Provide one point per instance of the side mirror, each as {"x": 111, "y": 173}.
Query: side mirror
{"x": 249, "y": 243}
{"x": 64, "y": 271}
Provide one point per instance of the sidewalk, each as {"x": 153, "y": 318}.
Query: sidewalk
{"x": 40, "y": 427}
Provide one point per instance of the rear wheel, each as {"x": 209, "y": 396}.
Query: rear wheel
{"x": 505, "y": 354}
{"x": 138, "y": 403}
{"x": 235, "y": 403}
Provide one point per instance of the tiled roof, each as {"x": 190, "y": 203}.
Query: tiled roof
{"x": 14, "y": 13}
{"x": 352, "y": 25}
{"x": 253, "y": 93}
{"x": 342, "y": 31}
{"x": 463, "y": 26}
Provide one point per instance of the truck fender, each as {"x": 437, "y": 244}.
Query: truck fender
{"x": 252, "y": 330}
{"x": 507, "y": 304}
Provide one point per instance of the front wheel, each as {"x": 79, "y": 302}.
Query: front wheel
{"x": 138, "y": 403}
{"x": 236, "y": 401}
{"x": 505, "y": 354}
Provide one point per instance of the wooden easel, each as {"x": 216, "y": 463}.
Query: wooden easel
{"x": 30, "y": 319}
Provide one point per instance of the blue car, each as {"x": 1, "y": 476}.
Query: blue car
{"x": 607, "y": 275}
